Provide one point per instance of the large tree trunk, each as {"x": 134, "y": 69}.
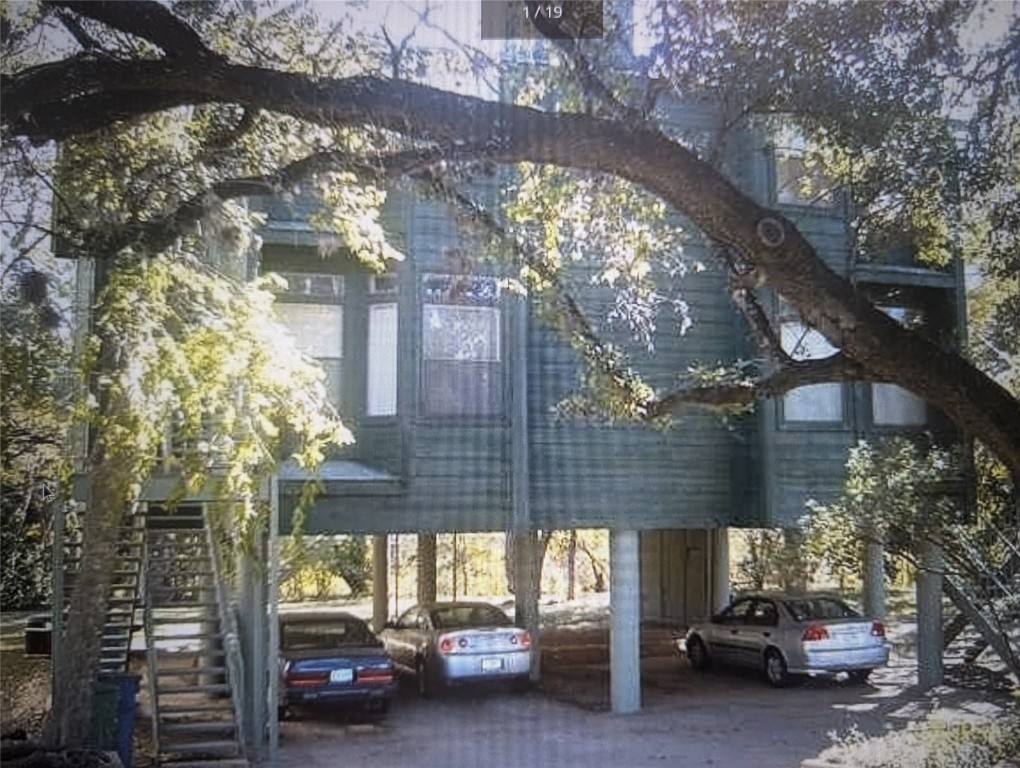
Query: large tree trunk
{"x": 70, "y": 717}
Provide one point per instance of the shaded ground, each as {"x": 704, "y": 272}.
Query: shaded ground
{"x": 718, "y": 719}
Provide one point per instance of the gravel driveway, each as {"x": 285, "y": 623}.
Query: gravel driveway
{"x": 718, "y": 719}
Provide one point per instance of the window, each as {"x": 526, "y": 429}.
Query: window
{"x": 799, "y": 178}
{"x": 461, "y": 345}
{"x": 815, "y": 402}
{"x": 382, "y": 360}
{"x": 312, "y": 310}
{"x": 891, "y": 405}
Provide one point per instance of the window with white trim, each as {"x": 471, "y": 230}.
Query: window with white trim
{"x": 799, "y": 177}
{"x": 312, "y": 309}
{"x": 382, "y": 346}
{"x": 891, "y": 404}
{"x": 814, "y": 402}
{"x": 461, "y": 349}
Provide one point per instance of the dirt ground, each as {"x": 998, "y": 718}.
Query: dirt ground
{"x": 721, "y": 718}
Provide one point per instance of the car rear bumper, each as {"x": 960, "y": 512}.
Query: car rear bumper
{"x": 363, "y": 695}
{"x": 470, "y": 667}
{"x": 816, "y": 662}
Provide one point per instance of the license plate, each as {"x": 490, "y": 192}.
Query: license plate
{"x": 492, "y": 665}
{"x": 341, "y": 676}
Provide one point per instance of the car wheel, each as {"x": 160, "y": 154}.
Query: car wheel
{"x": 421, "y": 676}
{"x": 697, "y": 654}
{"x": 775, "y": 669}
{"x": 860, "y": 676}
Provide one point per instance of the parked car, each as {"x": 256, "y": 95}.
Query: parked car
{"x": 450, "y": 643}
{"x": 329, "y": 657}
{"x": 784, "y": 635}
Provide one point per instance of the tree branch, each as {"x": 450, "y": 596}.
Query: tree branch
{"x": 796, "y": 373}
{"x": 148, "y": 20}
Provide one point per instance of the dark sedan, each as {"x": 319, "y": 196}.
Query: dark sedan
{"x": 333, "y": 658}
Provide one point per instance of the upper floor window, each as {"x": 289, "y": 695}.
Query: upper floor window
{"x": 382, "y": 346}
{"x": 800, "y": 178}
{"x": 312, "y": 309}
{"x": 814, "y": 402}
{"x": 461, "y": 347}
{"x": 892, "y": 405}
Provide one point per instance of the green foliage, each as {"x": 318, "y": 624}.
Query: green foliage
{"x": 312, "y": 566}
{"x": 774, "y": 558}
{"x": 33, "y": 417}
{"x": 206, "y": 357}
{"x": 895, "y": 491}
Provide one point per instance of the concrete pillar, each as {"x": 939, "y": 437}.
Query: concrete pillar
{"x": 874, "y": 580}
{"x": 526, "y": 586}
{"x": 426, "y": 567}
{"x": 720, "y": 569}
{"x": 625, "y": 627}
{"x": 380, "y": 581}
{"x": 929, "y": 615}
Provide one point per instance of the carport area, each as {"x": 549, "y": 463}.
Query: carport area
{"x": 722, "y": 718}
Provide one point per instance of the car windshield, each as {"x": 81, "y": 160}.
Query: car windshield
{"x": 467, "y": 616}
{"x": 817, "y": 608}
{"x": 322, "y": 634}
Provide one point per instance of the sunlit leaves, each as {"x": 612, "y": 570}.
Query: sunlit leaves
{"x": 205, "y": 372}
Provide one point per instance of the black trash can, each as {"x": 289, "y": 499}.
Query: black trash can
{"x": 119, "y": 734}
{"x": 39, "y": 635}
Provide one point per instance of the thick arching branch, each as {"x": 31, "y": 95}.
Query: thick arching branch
{"x": 793, "y": 374}
{"x": 765, "y": 240}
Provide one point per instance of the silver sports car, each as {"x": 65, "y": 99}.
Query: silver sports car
{"x": 784, "y": 635}
{"x": 449, "y": 643}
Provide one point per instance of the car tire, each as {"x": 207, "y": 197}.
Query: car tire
{"x": 860, "y": 676}
{"x": 775, "y": 669}
{"x": 697, "y": 654}
{"x": 421, "y": 677}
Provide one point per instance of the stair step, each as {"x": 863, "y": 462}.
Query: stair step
{"x": 181, "y": 671}
{"x": 220, "y": 746}
{"x": 212, "y": 688}
{"x": 198, "y": 727}
{"x": 165, "y": 655}
{"x": 179, "y": 711}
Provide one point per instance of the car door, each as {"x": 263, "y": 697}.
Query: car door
{"x": 759, "y": 632}
{"x": 726, "y": 632}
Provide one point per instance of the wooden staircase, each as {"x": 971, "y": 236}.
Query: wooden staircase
{"x": 987, "y": 598}
{"x": 191, "y": 641}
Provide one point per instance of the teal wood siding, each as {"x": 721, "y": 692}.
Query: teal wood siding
{"x": 634, "y": 476}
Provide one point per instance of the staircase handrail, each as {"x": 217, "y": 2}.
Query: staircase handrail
{"x": 231, "y": 635}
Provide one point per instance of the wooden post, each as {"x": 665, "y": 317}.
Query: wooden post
{"x": 426, "y": 567}
{"x": 929, "y": 615}
{"x": 380, "y": 582}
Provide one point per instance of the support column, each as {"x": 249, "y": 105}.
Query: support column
{"x": 273, "y": 697}
{"x": 380, "y": 581}
{"x": 874, "y": 580}
{"x": 254, "y": 646}
{"x": 720, "y": 568}
{"x": 526, "y": 585}
{"x": 426, "y": 567}
{"x": 625, "y": 628}
{"x": 929, "y": 615}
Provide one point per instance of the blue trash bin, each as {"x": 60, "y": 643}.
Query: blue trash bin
{"x": 127, "y": 692}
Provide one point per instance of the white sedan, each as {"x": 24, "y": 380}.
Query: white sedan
{"x": 449, "y": 643}
{"x": 783, "y": 635}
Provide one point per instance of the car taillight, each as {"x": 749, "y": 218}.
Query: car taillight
{"x": 815, "y": 632}
{"x": 522, "y": 639}
{"x": 375, "y": 676}
{"x": 877, "y": 628}
{"x": 298, "y": 679}
{"x": 449, "y": 644}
